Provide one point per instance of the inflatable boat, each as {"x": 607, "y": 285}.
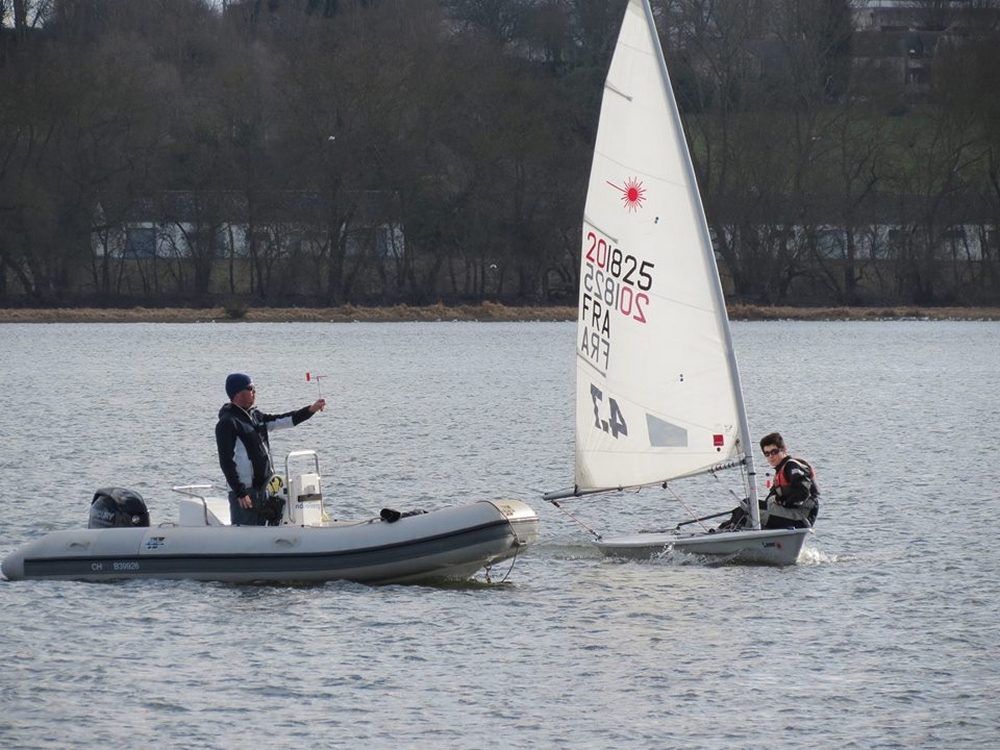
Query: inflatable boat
{"x": 304, "y": 545}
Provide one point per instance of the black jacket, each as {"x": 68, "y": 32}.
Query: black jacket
{"x": 244, "y": 451}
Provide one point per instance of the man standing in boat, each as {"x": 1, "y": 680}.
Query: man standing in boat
{"x": 244, "y": 450}
{"x": 793, "y": 502}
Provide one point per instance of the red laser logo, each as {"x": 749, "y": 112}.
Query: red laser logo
{"x": 633, "y": 193}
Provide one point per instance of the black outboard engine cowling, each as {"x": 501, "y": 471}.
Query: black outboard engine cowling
{"x": 116, "y": 507}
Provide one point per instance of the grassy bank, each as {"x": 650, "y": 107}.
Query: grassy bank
{"x": 487, "y": 311}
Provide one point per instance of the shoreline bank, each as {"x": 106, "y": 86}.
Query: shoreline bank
{"x": 484, "y": 312}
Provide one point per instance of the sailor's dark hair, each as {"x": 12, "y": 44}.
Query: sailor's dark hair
{"x": 773, "y": 438}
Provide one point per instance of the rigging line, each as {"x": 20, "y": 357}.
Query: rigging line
{"x": 747, "y": 479}
{"x": 744, "y": 473}
{"x": 743, "y": 502}
{"x": 668, "y": 488}
{"x": 575, "y": 519}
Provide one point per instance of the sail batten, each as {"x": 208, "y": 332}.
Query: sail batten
{"x": 587, "y": 221}
{"x": 657, "y": 389}
{"x": 593, "y": 367}
{"x": 611, "y": 87}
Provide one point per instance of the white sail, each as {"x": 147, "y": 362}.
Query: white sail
{"x": 658, "y": 392}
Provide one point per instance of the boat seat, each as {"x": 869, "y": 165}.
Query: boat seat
{"x": 192, "y": 511}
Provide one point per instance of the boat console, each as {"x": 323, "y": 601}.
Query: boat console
{"x": 301, "y": 492}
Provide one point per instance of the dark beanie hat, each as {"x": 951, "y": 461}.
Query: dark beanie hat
{"x": 236, "y": 382}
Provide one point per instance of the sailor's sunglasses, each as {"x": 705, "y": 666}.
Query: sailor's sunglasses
{"x": 772, "y": 452}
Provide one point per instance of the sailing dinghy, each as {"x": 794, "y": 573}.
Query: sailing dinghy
{"x": 306, "y": 546}
{"x": 658, "y": 393}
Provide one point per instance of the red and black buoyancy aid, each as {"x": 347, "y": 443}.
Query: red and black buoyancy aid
{"x": 782, "y": 480}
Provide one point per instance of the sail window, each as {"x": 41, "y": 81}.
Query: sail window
{"x": 663, "y": 434}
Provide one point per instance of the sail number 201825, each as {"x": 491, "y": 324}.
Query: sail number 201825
{"x": 612, "y": 277}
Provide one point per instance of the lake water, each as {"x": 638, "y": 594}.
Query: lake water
{"x": 885, "y": 636}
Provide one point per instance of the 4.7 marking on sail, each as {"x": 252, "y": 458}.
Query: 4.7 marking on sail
{"x": 615, "y": 424}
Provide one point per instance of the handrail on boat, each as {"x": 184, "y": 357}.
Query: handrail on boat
{"x": 189, "y": 490}
{"x": 300, "y": 454}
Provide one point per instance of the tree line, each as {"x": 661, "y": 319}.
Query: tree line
{"x": 827, "y": 174}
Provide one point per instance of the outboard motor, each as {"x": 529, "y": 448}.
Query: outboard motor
{"x": 116, "y": 507}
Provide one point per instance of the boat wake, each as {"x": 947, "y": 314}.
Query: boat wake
{"x": 676, "y": 558}
{"x": 813, "y": 556}
{"x": 566, "y": 550}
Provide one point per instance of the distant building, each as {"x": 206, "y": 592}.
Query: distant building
{"x": 224, "y": 224}
{"x": 960, "y": 228}
{"x": 952, "y": 16}
{"x": 956, "y": 242}
{"x": 897, "y": 40}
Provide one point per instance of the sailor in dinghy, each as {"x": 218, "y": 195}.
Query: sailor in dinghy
{"x": 793, "y": 500}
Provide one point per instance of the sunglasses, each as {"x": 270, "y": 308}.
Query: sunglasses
{"x": 250, "y": 388}
{"x": 772, "y": 452}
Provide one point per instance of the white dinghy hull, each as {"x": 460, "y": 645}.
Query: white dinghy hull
{"x": 446, "y": 544}
{"x": 765, "y": 547}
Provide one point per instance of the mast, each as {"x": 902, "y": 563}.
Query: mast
{"x": 717, "y": 293}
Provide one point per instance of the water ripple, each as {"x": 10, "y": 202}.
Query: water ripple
{"x": 882, "y": 636}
